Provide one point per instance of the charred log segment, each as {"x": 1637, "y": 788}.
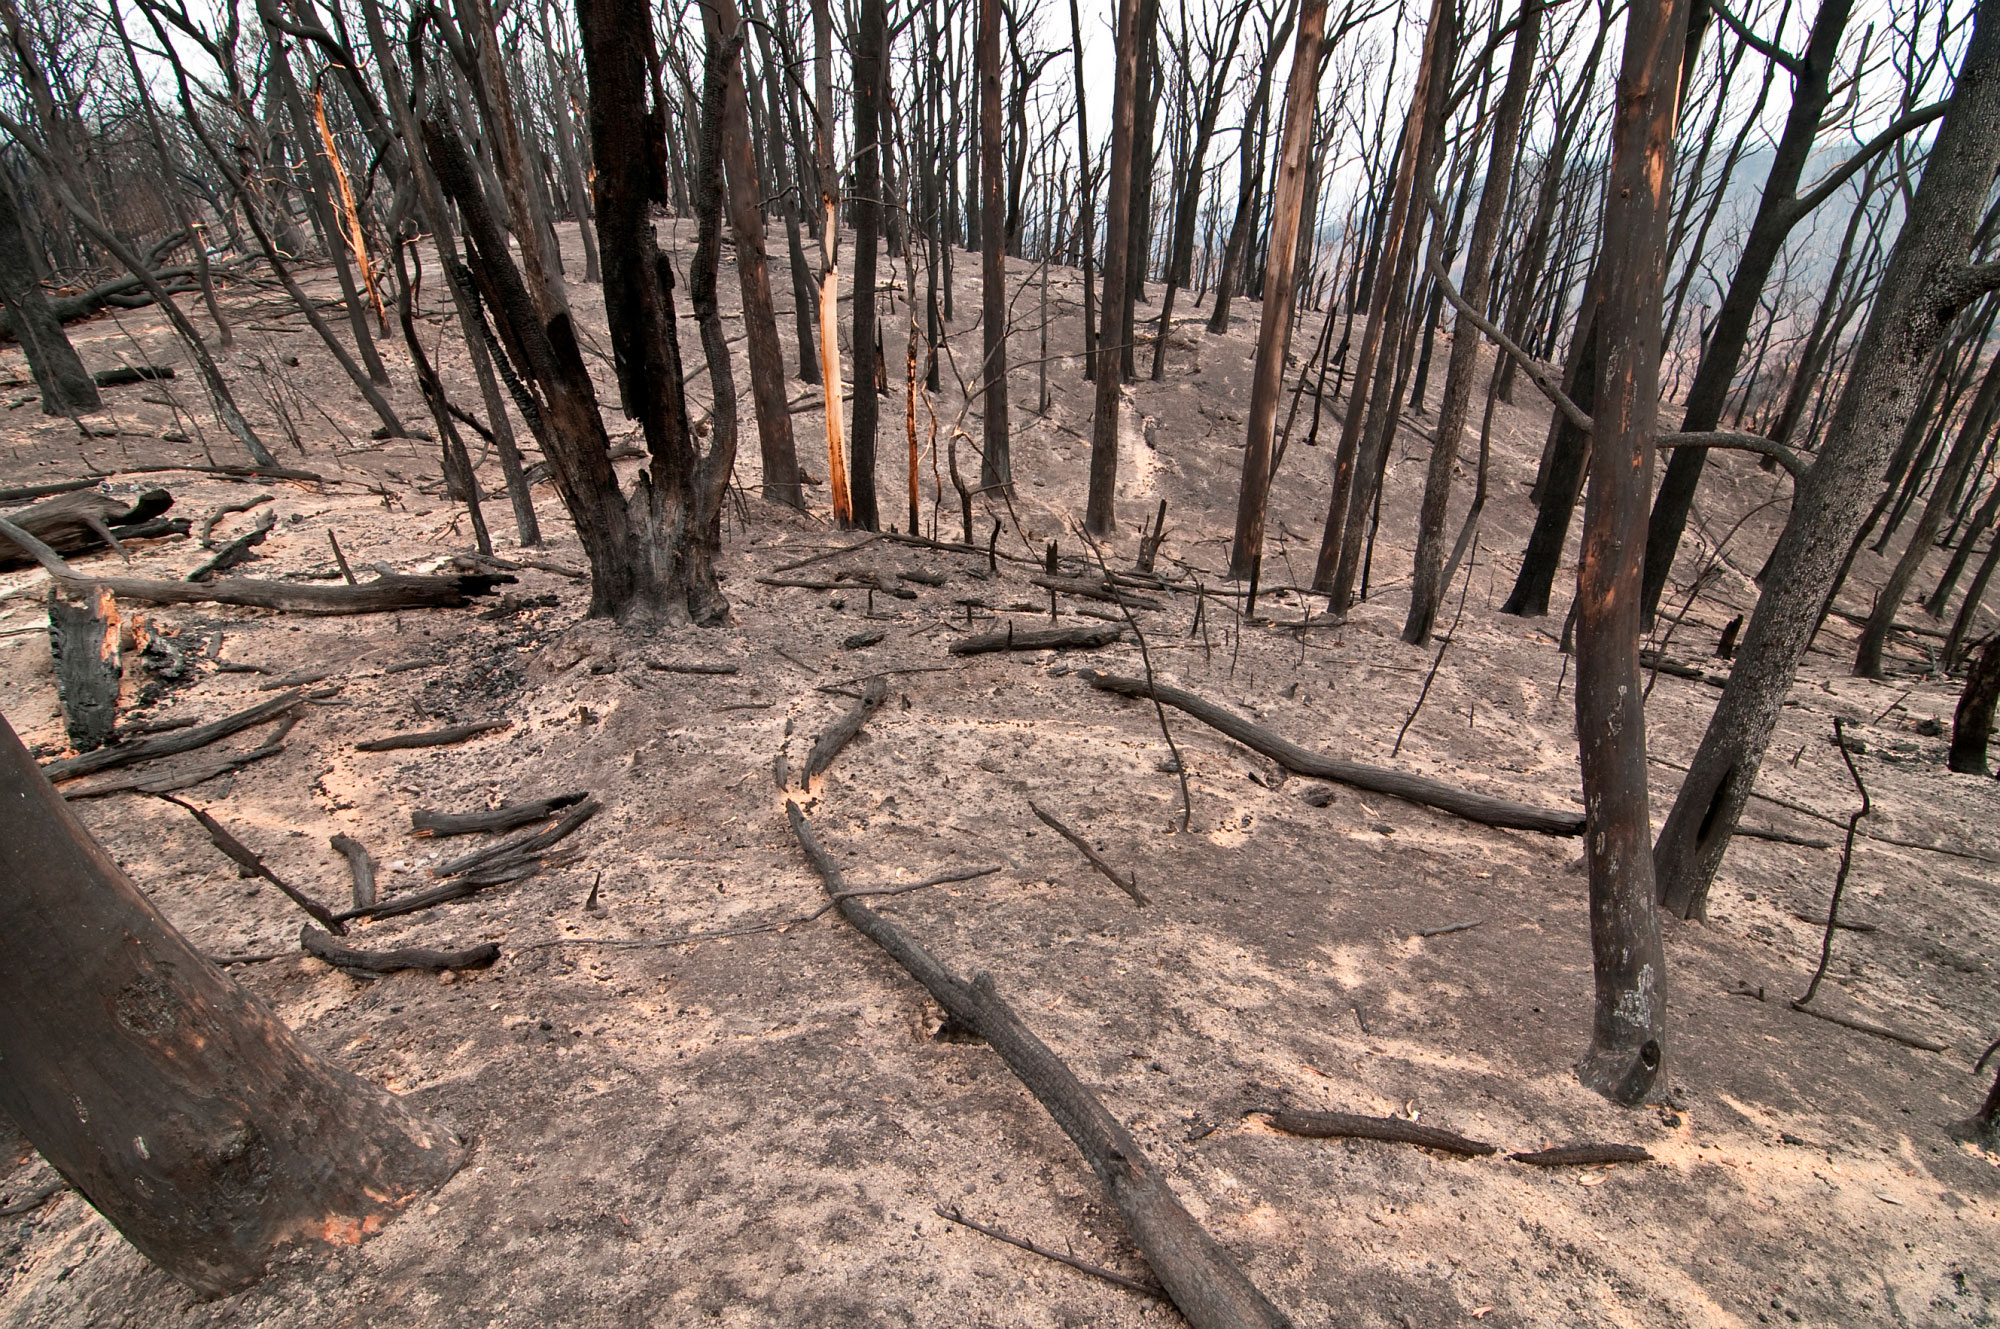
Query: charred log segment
{"x": 1038, "y": 639}
{"x": 1199, "y": 1275}
{"x": 362, "y": 864}
{"x": 1482, "y": 808}
{"x": 434, "y": 738}
{"x": 88, "y": 519}
{"x": 370, "y": 963}
{"x": 389, "y": 592}
{"x": 425, "y": 822}
{"x": 842, "y": 731}
{"x": 83, "y": 642}
{"x": 187, "y": 1115}
{"x": 166, "y": 745}
{"x": 1347, "y": 1126}
{"x": 1584, "y": 1155}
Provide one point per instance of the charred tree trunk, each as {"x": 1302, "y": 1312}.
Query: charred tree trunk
{"x": 869, "y": 43}
{"x": 760, "y": 319}
{"x": 829, "y": 265}
{"x": 704, "y": 268}
{"x": 173, "y": 1101}
{"x": 1426, "y": 584}
{"x": 1628, "y": 1030}
{"x": 66, "y": 386}
{"x": 1972, "y": 723}
{"x": 996, "y": 468}
{"x": 1275, "y": 334}
{"x": 1101, "y": 509}
{"x": 1927, "y": 281}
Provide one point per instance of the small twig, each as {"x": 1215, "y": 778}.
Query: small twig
{"x": 1450, "y": 634}
{"x": 1118, "y": 1280}
{"x": 1097, "y": 860}
{"x": 1846, "y": 860}
{"x": 341, "y": 558}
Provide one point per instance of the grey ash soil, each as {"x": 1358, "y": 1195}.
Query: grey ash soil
{"x": 758, "y": 1130}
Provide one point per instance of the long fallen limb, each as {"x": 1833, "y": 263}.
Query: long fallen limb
{"x": 1037, "y": 639}
{"x": 185, "y": 777}
{"x": 317, "y": 943}
{"x": 166, "y": 745}
{"x": 1202, "y": 1279}
{"x": 425, "y": 822}
{"x": 433, "y": 738}
{"x": 1347, "y": 1126}
{"x": 1089, "y": 588}
{"x": 1482, "y": 808}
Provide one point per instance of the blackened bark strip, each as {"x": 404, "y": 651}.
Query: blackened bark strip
{"x": 1038, "y": 639}
{"x": 247, "y": 859}
{"x": 1584, "y": 1155}
{"x": 362, "y": 865}
{"x": 1129, "y": 886}
{"x": 319, "y": 944}
{"x": 506, "y": 818}
{"x": 1347, "y": 1126}
{"x": 435, "y": 738}
{"x": 1482, "y": 808}
{"x": 523, "y": 846}
{"x": 166, "y": 745}
{"x": 1081, "y": 1266}
{"x": 828, "y": 745}
{"x": 1092, "y": 588}
{"x": 1202, "y": 1279}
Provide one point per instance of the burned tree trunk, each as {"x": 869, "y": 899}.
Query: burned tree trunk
{"x": 1275, "y": 334}
{"x": 996, "y": 467}
{"x": 66, "y": 386}
{"x": 1100, "y": 516}
{"x": 870, "y": 39}
{"x": 1427, "y": 587}
{"x": 173, "y": 1101}
{"x": 1629, "y": 1024}
{"x": 83, "y": 643}
{"x": 1972, "y": 723}
{"x": 1926, "y": 282}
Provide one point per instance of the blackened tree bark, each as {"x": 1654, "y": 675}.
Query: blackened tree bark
{"x": 1926, "y": 282}
{"x": 1426, "y": 588}
{"x": 1100, "y": 514}
{"x": 1140, "y": 210}
{"x": 66, "y": 386}
{"x": 996, "y": 468}
{"x": 871, "y": 38}
{"x": 1564, "y": 472}
{"x": 1275, "y": 334}
{"x": 746, "y": 218}
{"x": 1250, "y": 173}
{"x": 705, "y": 266}
{"x": 1628, "y": 1028}
{"x": 1972, "y": 723}
{"x": 1971, "y": 442}
{"x": 175, "y": 1102}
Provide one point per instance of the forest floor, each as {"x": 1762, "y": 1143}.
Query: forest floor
{"x": 761, "y": 1129}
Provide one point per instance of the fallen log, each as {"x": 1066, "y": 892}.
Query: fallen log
{"x": 1584, "y": 1155}
{"x": 842, "y": 731}
{"x": 116, "y": 378}
{"x": 1200, "y": 1277}
{"x": 424, "y": 822}
{"x": 1482, "y": 808}
{"x": 1037, "y": 639}
{"x": 434, "y": 738}
{"x": 361, "y": 864}
{"x": 316, "y": 943}
{"x": 83, "y": 519}
{"x": 1347, "y": 1126}
{"x": 1087, "y": 588}
{"x": 166, "y": 745}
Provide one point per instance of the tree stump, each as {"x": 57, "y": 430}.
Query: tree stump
{"x": 83, "y": 642}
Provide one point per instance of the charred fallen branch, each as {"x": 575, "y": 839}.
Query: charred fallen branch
{"x": 1038, "y": 639}
{"x": 1482, "y": 808}
{"x": 433, "y": 738}
{"x": 1200, "y": 1277}
{"x": 842, "y": 731}
{"x": 370, "y": 963}
{"x": 1090, "y": 588}
{"x": 237, "y": 550}
{"x": 166, "y": 745}
{"x": 183, "y": 777}
{"x": 424, "y": 822}
{"x": 1584, "y": 1155}
{"x": 85, "y": 519}
{"x": 1347, "y": 1126}
{"x": 254, "y": 866}
{"x": 361, "y": 864}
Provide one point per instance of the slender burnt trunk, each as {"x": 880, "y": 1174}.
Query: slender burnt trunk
{"x": 996, "y": 468}
{"x": 66, "y": 386}
{"x": 1101, "y": 512}
{"x": 870, "y": 37}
